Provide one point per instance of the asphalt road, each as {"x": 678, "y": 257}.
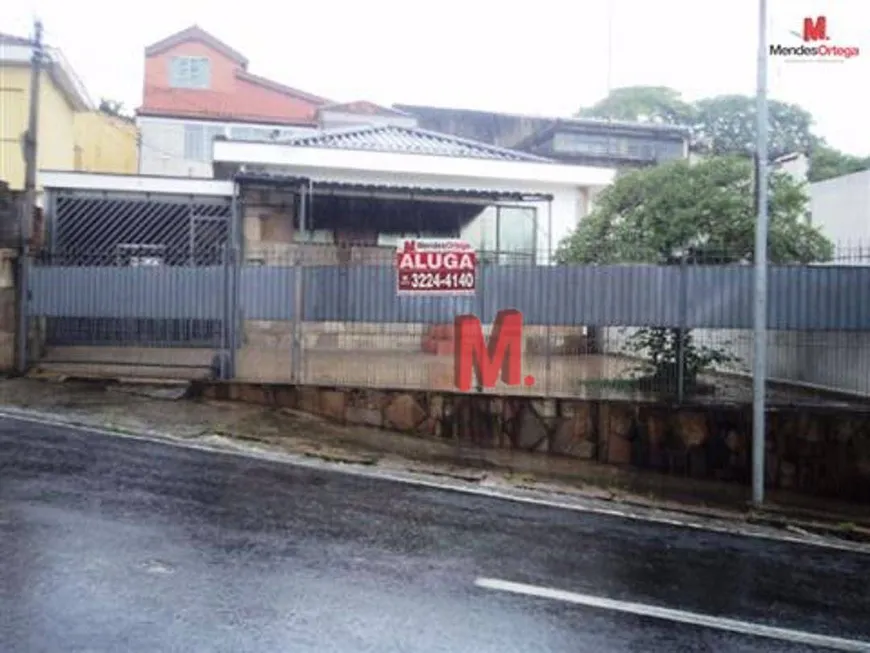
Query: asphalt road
{"x": 108, "y": 544}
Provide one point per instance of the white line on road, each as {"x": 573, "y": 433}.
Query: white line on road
{"x": 694, "y": 618}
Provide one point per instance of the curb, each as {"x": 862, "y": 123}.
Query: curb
{"x": 724, "y": 522}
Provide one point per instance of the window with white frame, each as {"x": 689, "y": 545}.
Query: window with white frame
{"x": 517, "y": 234}
{"x": 190, "y": 72}
{"x": 198, "y": 140}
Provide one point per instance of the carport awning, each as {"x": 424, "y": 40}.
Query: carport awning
{"x": 384, "y": 190}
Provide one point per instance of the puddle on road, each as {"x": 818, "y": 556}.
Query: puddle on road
{"x": 158, "y": 567}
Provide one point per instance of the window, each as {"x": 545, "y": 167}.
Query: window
{"x": 632, "y": 147}
{"x": 190, "y": 72}
{"x": 670, "y": 150}
{"x": 198, "y": 141}
{"x": 581, "y": 144}
{"x": 517, "y": 234}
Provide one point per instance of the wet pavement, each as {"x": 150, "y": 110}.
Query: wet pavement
{"x": 158, "y": 410}
{"x": 111, "y": 544}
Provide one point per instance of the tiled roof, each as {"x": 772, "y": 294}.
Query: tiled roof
{"x": 195, "y": 33}
{"x": 408, "y": 140}
{"x": 363, "y": 107}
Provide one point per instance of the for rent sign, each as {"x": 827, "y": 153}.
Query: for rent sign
{"x": 436, "y": 267}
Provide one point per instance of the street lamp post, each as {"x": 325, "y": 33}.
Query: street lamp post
{"x": 759, "y": 361}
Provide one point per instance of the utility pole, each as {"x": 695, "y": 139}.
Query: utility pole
{"x": 759, "y": 359}
{"x": 30, "y": 163}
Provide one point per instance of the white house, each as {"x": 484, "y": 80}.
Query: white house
{"x": 369, "y": 185}
{"x": 840, "y": 207}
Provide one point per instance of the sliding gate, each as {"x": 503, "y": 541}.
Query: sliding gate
{"x": 133, "y": 280}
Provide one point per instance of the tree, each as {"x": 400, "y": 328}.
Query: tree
{"x": 657, "y": 104}
{"x": 700, "y": 213}
{"x": 726, "y": 124}
{"x": 114, "y": 108}
{"x": 826, "y": 163}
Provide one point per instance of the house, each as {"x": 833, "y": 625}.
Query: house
{"x": 197, "y": 88}
{"x": 367, "y": 186}
{"x": 327, "y": 208}
{"x": 840, "y": 208}
{"x": 599, "y": 143}
{"x": 71, "y": 134}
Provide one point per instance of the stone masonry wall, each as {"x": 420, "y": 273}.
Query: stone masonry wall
{"x": 821, "y": 453}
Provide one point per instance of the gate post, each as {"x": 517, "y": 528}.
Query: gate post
{"x": 23, "y": 283}
{"x": 235, "y": 262}
{"x": 226, "y": 338}
{"x": 23, "y": 306}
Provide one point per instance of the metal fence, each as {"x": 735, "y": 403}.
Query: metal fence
{"x": 160, "y": 286}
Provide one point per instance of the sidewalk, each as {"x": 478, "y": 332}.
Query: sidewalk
{"x": 161, "y": 411}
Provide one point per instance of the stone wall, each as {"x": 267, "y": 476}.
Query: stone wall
{"x": 817, "y": 452}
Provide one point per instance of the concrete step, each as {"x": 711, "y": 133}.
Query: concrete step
{"x": 141, "y": 373}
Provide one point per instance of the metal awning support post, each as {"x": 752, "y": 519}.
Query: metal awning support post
{"x": 298, "y": 295}
{"x": 236, "y": 321}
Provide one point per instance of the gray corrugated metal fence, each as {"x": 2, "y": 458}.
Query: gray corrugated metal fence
{"x": 801, "y": 298}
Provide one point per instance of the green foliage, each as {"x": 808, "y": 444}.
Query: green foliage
{"x": 726, "y": 124}
{"x": 656, "y": 104}
{"x": 114, "y": 108}
{"x": 702, "y": 213}
{"x": 664, "y": 348}
{"x": 707, "y": 209}
{"x": 826, "y": 163}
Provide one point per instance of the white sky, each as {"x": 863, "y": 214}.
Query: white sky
{"x": 544, "y": 57}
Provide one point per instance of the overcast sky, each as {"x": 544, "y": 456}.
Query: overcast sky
{"x": 545, "y": 57}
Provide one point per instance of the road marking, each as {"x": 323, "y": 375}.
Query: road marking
{"x": 669, "y": 614}
{"x": 579, "y": 504}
